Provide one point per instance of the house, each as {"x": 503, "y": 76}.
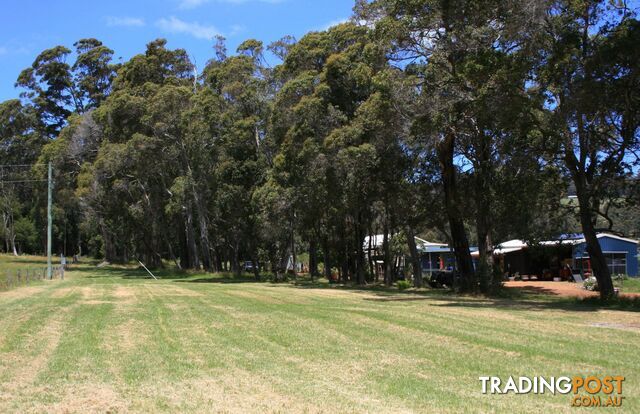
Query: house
{"x": 433, "y": 256}
{"x": 565, "y": 255}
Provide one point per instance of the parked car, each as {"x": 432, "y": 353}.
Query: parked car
{"x": 442, "y": 279}
{"x": 248, "y": 266}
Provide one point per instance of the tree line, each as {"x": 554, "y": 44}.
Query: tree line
{"x": 462, "y": 120}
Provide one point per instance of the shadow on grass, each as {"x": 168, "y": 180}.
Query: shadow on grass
{"x": 529, "y": 298}
{"x": 40, "y": 263}
{"x": 526, "y": 298}
{"x": 222, "y": 280}
{"x": 125, "y": 272}
{"x": 591, "y": 304}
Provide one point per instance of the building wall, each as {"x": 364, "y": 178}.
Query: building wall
{"x": 448, "y": 258}
{"x": 516, "y": 262}
{"x": 610, "y": 244}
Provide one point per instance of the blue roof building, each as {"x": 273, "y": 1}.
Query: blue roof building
{"x": 549, "y": 257}
{"x": 620, "y": 253}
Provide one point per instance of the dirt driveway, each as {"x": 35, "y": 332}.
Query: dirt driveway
{"x": 556, "y": 288}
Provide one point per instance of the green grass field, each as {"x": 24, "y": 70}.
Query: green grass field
{"x": 21, "y": 262}
{"x": 630, "y": 285}
{"x": 111, "y": 340}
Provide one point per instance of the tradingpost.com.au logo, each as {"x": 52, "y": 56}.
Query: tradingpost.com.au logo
{"x": 589, "y": 391}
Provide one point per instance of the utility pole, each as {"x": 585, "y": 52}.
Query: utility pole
{"x": 49, "y": 221}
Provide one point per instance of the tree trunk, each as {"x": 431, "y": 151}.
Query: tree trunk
{"x": 6, "y": 232}
{"x": 13, "y": 245}
{"x": 273, "y": 260}
{"x": 485, "y": 250}
{"x": 284, "y": 260}
{"x": 360, "y": 261}
{"x": 172, "y": 256}
{"x": 387, "y": 254}
{"x": 459, "y": 238}
{"x": 313, "y": 259}
{"x": 371, "y": 253}
{"x": 109, "y": 250}
{"x": 416, "y": 267}
{"x": 207, "y": 262}
{"x": 256, "y": 268}
{"x": 483, "y": 178}
{"x": 294, "y": 257}
{"x": 193, "y": 262}
{"x": 344, "y": 266}
{"x": 237, "y": 269}
{"x": 598, "y": 261}
{"x": 325, "y": 258}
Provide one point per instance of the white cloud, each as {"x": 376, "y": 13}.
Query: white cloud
{"x": 334, "y": 23}
{"x": 195, "y": 29}
{"x": 237, "y": 29}
{"x": 191, "y": 4}
{"x": 125, "y": 21}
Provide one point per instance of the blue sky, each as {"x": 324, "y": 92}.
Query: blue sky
{"x": 29, "y": 26}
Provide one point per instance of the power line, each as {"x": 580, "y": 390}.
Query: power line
{"x": 7, "y": 166}
{"x": 22, "y": 181}
{"x": 19, "y": 165}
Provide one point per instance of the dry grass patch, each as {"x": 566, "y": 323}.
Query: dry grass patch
{"x": 129, "y": 336}
{"x": 263, "y": 297}
{"x": 170, "y": 290}
{"x": 337, "y": 293}
{"x": 83, "y": 398}
{"x": 26, "y": 366}
{"x": 239, "y": 391}
{"x": 22, "y": 292}
{"x": 125, "y": 294}
{"x": 64, "y": 292}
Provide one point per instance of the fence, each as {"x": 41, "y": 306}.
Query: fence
{"x": 21, "y": 277}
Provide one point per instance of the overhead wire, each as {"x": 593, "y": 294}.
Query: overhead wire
{"x": 19, "y": 166}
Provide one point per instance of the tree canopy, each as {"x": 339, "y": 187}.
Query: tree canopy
{"x": 461, "y": 120}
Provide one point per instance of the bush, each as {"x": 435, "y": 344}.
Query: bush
{"x": 620, "y": 277}
{"x": 403, "y": 284}
{"x": 591, "y": 283}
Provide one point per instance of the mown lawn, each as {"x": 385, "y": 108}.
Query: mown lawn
{"x": 111, "y": 340}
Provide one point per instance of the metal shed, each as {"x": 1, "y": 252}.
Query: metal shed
{"x": 621, "y": 254}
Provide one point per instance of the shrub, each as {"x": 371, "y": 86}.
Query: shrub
{"x": 619, "y": 277}
{"x": 591, "y": 283}
{"x": 403, "y": 284}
